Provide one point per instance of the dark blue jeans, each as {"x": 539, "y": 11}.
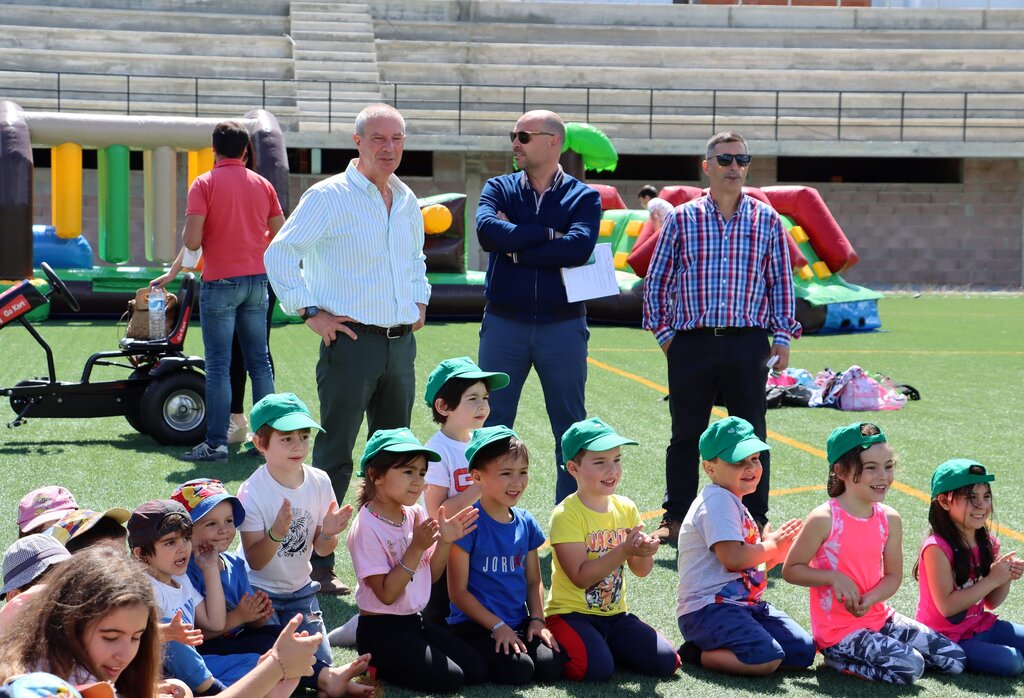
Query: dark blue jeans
{"x": 558, "y": 351}
{"x": 999, "y": 650}
{"x": 755, "y": 634}
{"x": 235, "y": 304}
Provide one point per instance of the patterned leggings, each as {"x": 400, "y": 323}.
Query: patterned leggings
{"x": 897, "y": 653}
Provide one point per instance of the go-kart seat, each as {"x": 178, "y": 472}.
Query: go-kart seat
{"x": 174, "y": 341}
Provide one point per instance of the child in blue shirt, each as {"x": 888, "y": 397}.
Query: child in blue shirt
{"x": 494, "y": 571}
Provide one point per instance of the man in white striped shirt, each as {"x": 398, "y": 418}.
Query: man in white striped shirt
{"x": 363, "y": 288}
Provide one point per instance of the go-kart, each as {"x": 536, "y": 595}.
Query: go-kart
{"x": 162, "y": 396}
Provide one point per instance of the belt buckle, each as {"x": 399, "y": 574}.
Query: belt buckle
{"x": 396, "y": 328}
{"x": 718, "y": 331}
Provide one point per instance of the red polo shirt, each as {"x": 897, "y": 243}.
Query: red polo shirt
{"x": 236, "y": 203}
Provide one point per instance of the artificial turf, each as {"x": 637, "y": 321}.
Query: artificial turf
{"x": 963, "y": 352}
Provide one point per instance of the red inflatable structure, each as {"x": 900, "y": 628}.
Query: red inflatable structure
{"x": 610, "y": 198}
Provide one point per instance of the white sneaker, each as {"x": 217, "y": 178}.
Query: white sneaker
{"x": 238, "y": 428}
{"x": 344, "y": 636}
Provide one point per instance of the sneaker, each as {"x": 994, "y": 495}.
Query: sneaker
{"x": 668, "y": 530}
{"x": 206, "y": 452}
{"x": 329, "y": 582}
{"x": 238, "y": 429}
{"x": 345, "y": 635}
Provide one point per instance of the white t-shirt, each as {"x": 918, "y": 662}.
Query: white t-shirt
{"x": 661, "y": 206}
{"x": 262, "y": 496}
{"x": 181, "y": 595}
{"x": 452, "y": 471}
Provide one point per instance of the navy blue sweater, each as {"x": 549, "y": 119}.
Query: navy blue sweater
{"x": 524, "y": 281}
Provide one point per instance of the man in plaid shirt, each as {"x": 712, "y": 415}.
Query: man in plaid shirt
{"x": 720, "y": 283}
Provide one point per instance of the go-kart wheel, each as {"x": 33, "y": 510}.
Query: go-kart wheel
{"x": 173, "y": 409}
{"x": 59, "y": 287}
{"x": 135, "y": 418}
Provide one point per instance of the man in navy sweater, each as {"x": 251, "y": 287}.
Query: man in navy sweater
{"x": 533, "y": 223}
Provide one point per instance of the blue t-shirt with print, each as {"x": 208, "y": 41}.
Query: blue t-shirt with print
{"x": 497, "y": 564}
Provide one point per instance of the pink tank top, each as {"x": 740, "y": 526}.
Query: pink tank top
{"x": 854, "y": 547}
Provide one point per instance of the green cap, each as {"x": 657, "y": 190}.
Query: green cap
{"x": 845, "y": 439}
{"x": 397, "y": 441}
{"x": 486, "y": 435}
{"x": 957, "y": 473}
{"x": 732, "y": 439}
{"x": 592, "y": 434}
{"x": 282, "y": 411}
{"x": 461, "y": 367}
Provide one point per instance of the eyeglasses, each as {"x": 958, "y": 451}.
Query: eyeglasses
{"x": 725, "y": 159}
{"x": 524, "y": 136}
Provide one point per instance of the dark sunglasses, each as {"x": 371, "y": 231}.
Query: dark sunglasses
{"x": 524, "y": 136}
{"x": 725, "y": 159}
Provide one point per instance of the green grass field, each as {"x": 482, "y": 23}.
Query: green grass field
{"x": 965, "y": 353}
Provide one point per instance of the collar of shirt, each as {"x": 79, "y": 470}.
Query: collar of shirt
{"x": 745, "y": 202}
{"x": 359, "y": 181}
{"x": 229, "y": 162}
{"x": 556, "y": 182}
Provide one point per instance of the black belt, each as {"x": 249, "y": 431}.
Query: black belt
{"x": 393, "y": 332}
{"x": 724, "y": 331}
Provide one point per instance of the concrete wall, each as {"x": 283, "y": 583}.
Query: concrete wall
{"x": 906, "y": 234}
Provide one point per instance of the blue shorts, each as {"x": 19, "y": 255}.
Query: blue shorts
{"x": 755, "y": 634}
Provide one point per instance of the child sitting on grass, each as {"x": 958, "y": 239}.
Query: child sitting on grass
{"x": 27, "y": 563}
{"x": 595, "y": 534}
{"x": 722, "y": 565}
{"x": 494, "y": 571}
{"x": 42, "y": 507}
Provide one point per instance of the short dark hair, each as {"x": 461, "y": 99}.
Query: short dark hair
{"x": 172, "y": 523}
{"x": 451, "y": 393}
{"x": 647, "y": 190}
{"x": 496, "y": 450}
{"x": 230, "y": 139}
{"x": 723, "y": 137}
{"x": 105, "y": 528}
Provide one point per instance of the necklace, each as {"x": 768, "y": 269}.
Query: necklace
{"x": 387, "y": 520}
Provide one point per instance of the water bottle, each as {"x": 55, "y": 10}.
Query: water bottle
{"x": 157, "y": 313}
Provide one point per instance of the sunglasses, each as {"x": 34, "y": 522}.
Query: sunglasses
{"x": 725, "y": 159}
{"x": 524, "y": 136}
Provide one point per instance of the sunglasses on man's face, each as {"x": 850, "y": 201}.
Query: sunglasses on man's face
{"x": 725, "y": 159}
{"x": 524, "y": 136}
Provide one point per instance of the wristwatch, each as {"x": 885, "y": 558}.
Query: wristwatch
{"x": 308, "y": 312}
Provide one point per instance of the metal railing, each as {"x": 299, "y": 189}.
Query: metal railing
{"x": 452, "y": 110}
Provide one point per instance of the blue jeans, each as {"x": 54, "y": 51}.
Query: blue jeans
{"x": 558, "y": 350}
{"x": 235, "y": 304}
{"x": 999, "y": 650}
{"x": 302, "y": 601}
{"x": 755, "y": 634}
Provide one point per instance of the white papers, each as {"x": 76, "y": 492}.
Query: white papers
{"x": 595, "y": 279}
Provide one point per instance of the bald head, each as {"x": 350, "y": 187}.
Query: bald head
{"x": 543, "y": 120}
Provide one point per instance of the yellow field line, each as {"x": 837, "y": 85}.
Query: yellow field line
{"x": 807, "y": 448}
{"x": 898, "y": 352}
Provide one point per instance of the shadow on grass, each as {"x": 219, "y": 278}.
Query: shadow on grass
{"x": 136, "y": 443}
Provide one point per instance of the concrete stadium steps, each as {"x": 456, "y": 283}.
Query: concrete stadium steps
{"x": 334, "y": 43}
{"x": 101, "y": 20}
{"x": 249, "y": 8}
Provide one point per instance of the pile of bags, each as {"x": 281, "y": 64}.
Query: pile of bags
{"x": 852, "y": 390}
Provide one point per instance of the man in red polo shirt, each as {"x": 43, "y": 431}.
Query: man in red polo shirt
{"x": 232, "y": 213}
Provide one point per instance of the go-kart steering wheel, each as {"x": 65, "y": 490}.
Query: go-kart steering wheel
{"x": 59, "y": 287}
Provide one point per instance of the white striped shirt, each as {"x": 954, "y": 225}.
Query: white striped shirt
{"x": 356, "y": 259}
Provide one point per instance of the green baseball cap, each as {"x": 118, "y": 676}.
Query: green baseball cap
{"x": 732, "y": 439}
{"x": 844, "y": 439}
{"x": 282, "y": 411}
{"x": 486, "y": 435}
{"x": 592, "y": 434}
{"x": 461, "y": 367}
{"x": 400, "y": 440}
{"x": 957, "y": 473}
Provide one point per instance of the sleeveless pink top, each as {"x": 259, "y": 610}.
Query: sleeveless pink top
{"x": 966, "y": 623}
{"x": 854, "y": 547}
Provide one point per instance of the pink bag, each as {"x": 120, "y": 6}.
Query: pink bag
{"x": 862, "y": 393}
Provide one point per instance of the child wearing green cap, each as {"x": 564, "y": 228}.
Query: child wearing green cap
{"x": 723, "y": 561}
{"x": 290, "y": 512}
{"x": 595, "y": 534}
{"x": 961, "y": 574}
{"x": 850, "y": 553}
{"x": 397, "y": 553}
{"x": 457, "y": 394}
{"x": 494, "y": 571}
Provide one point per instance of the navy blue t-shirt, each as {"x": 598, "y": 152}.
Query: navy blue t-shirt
{"x": 497, "y": 564}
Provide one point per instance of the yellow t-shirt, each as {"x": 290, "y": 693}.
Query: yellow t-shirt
{"x": 572, "y": 522}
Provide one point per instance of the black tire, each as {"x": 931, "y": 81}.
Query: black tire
{"x": 173, "y": 409}
{"x": 135, "y": 418}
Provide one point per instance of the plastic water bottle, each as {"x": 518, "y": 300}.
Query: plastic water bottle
{"x": 157, "y": 313}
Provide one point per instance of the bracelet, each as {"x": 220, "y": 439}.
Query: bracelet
{"x": 280, "y": 663}
{"x": 327, "y": 537}
{"x": 496, "y": 626}
{"x": 270, "y": 535}
{"x": 535, "y": 619}
{"x": 412, "y": 574}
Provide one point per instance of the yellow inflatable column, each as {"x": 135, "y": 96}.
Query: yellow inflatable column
{"x": 199, "y": 162}
{"x": 66, "y": 183}
{"x": 160, "y": 193}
